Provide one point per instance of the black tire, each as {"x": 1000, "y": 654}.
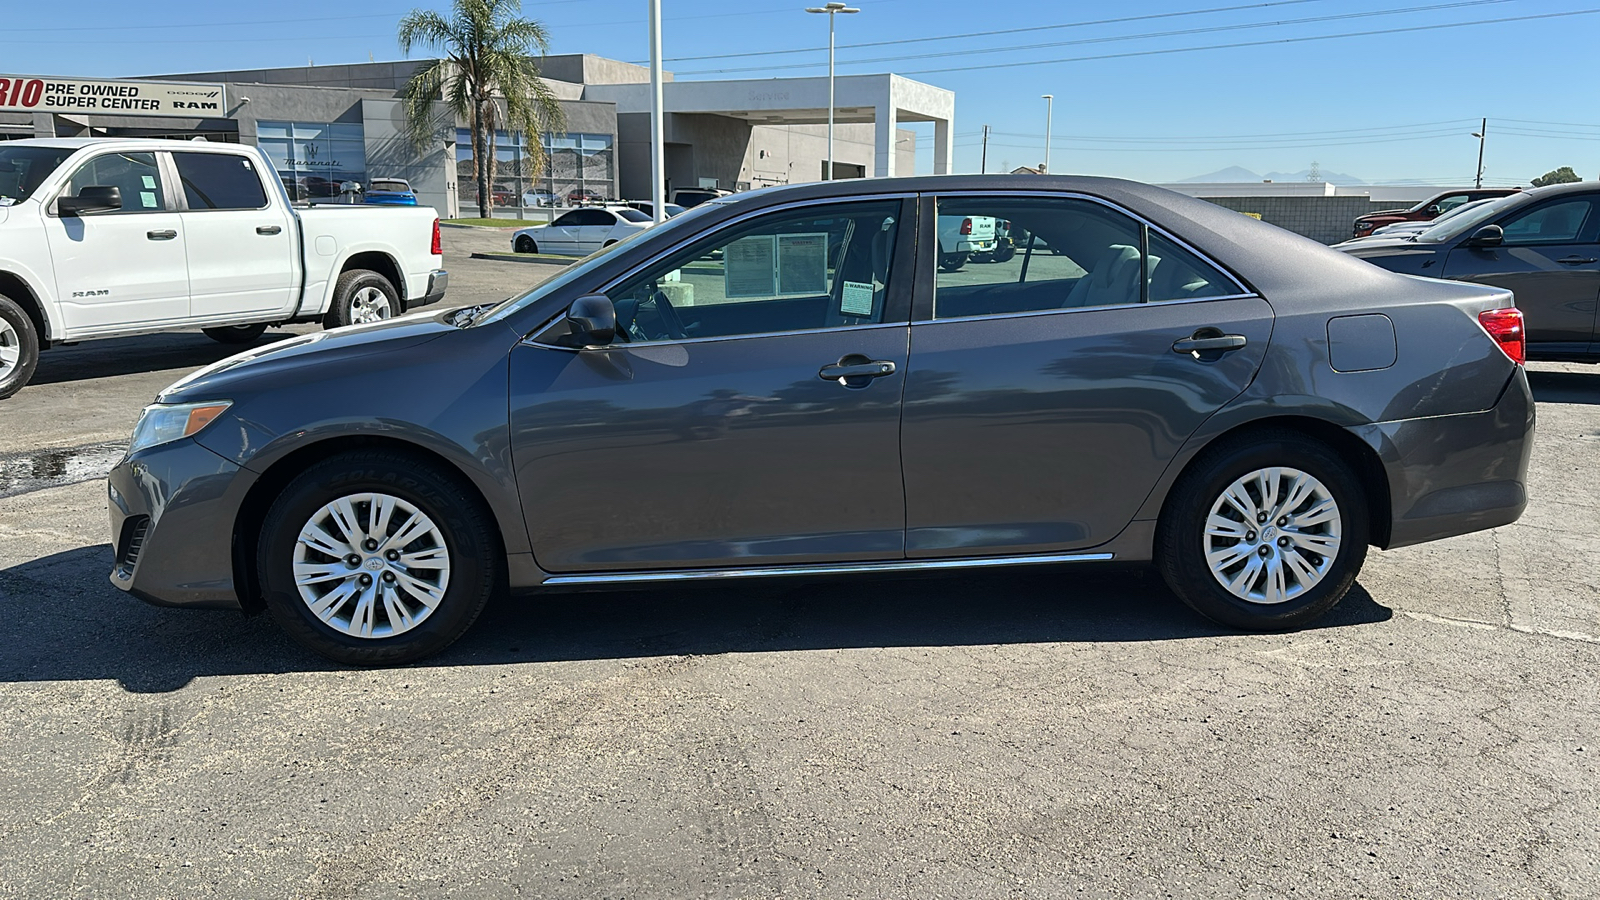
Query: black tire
{"x": 1181, "y": 533}
{"x": 17, "y": 335}
{"x": 526, "y": 244}
{"x": 235, "y": 334}
{"x": 469, "y": 536}
{"x": 952, "y": 262}
{"x": 347, "y": 309}
{"x": 1004, "y": 253}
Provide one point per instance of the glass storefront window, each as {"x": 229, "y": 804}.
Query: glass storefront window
{"x": 315, "y": 158}
{"x": 581, "y": 166}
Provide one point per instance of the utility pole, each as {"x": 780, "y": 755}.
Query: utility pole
{"x": 1049, "y": 117}
{"x": 983, "y": 167}
{"x": 1480, "y": 134}
{"x": 658, "y": 163}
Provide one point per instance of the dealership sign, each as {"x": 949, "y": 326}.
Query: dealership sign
{"x": 20, "y": 93}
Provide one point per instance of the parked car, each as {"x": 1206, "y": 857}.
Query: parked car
{"x": 648, "y": 208}
{"x": 582, "y": 231}
{"x": 390, "y": 192}
{"x": 961, "y": 237}
{"x": 538, "y": 198}
{"x": 1427, "y": 210}
{"x": 1247, "y": 408}
{"x": 1542, "y": 244}
{"x": 584, "y": 198}
{"x": 1404, "y": 228}
{"x": 689, "y": 198}
{"x": 97, "y": 240}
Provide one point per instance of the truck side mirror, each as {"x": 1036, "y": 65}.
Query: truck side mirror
{"x": 592, "y": 319}
{"x": 1487, "y": 236}
{"x": 93, "y": 198}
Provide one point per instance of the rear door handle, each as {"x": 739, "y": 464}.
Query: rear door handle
{"x": 268, "y": 229}
{"x": 1221, "y": 342}
{"x": 163, "y": 234}
{"x": 1576, "y": 260}
{"x": 843, "y": 370}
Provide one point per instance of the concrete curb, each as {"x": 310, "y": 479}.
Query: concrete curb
{"x": 537, "y": 258}
{"x": 488, "y": 227}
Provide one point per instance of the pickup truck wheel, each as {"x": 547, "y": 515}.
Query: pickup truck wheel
{"x": 377, "y": 558}
{"x": 362, "y": 296}
{"x": 525, "y": 244}
{"x": 951, "y": 262}
{"x": 19, "y": 347}
{"x": 235, "y": 334}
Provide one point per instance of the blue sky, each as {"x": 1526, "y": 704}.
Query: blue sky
{"x": 1381, "y": 106}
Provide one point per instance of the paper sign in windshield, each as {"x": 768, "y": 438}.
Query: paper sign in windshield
{"x": 856, "y": 299}
{"x": 776, "y": 265}
{"x": 749, "y": 268}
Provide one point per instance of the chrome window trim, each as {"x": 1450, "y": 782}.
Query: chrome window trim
{"x": 713, "y": 338}
{"x": 904, "y": 565}
{"x": 1074, "y": 195}
{"x": 1153, "y": 304}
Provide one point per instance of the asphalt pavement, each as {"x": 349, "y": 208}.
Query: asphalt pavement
{"x": 1042, "y": 733}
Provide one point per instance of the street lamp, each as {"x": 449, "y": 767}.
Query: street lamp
{"x": 658, "y": 168}
{"x": 1480, "y": 134}
{"x": 830, "y": 9}
{"x": 1049, "y": 114}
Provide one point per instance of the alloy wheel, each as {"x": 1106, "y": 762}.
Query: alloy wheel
{"x": 1272, "y": 535}
{"x": 371, "y": 565}
{"x": 369, "y": 305}
{"x": 10, "y": 348}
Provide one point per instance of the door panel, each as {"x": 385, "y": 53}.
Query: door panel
{"x": 241, "y": 251}
{"x": 709, "y": 453}
{"x": 1047, "y": 432}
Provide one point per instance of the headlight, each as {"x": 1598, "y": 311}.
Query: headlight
{"x": 162, "y": 422}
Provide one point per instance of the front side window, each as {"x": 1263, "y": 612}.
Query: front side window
{"x": 799, "y": 270}
{"x": 1451, "y": 202}
{"x": 1010, "y": 255}
{"x": 1554, "y": 223}
{"x": 135, "y": 174}
{"x": 219, "y": 181}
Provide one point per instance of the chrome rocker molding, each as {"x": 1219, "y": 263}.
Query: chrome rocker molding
{"x": 841, "y": 569}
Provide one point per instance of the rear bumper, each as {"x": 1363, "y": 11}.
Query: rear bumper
{"x": 1451, "y": 475}
{"x": 173, "y": 509}
{"x": 438, "y": 283}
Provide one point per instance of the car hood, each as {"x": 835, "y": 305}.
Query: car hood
{"x": 1381, "y": 214}
{"x": 243, "y": 371}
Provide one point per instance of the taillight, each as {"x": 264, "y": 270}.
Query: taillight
{"x": 438, "y": 245}
{"x": 1505, "y": 326}
{"x": 966, "y": 226}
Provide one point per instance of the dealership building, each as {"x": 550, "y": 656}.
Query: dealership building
{"x": 324, "y": 126}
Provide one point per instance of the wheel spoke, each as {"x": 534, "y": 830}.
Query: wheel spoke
{"x": 328, "y": 604}
{"x": 1325, "y": 511}
{"x": 317, "y": 539}
{"x": 1240, "y": 500}
{"x": 1267, "y": 484}
{"x": 316, "y": 573}
{"x": 1275, "y": 591}
{"x": 382, "y": 511}
{"x": 1320, "y": 544}
{"x": 417, "y": 526}
{"x": 1222, "y": 526}
{"x": 1298, "y": 492}
{"x": 427, "y": 594}
{"x": 1305, "y": 573}
{"x": 343, "y": 514}
{"x": 1246, "y": 579}
{"x": 400, "y": 618}
{"x": 1224, "y": 559}
{"x": 9, "y": 354}
{"x": 431, "y": 558}
{"x": 361, "y": 618}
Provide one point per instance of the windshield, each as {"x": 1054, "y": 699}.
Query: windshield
{"x": 664, "y": 232}
{"x": 22, "y": 169}
{"x": 1472, "y": 218}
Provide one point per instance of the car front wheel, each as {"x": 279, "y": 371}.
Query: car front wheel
{"x": 1264, "y": 532}
{"x": 376, "y": 558}
{"x": 19, "y": 348}
{"x": 525, "y": 244}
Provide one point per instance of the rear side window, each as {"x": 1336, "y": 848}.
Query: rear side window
{"x": 219, "y": 181}
{"x": 1177, "y": 274}
{"x": 633, "y": 215}
{"x": 1552, "y": 223}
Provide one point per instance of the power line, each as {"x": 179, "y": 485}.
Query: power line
{"x": 1373, "y": 131}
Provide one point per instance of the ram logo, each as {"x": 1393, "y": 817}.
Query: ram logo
{"x": 194, "y": 104}
{"x": 77, "y": 294}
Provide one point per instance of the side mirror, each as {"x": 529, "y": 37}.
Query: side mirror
{"x": 1487, "y": 236}
{"x": 592, "y": 319}
{"x": 1433, "y": 210}
{"x": 94, "y": 198}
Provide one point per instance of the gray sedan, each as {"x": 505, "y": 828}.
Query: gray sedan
{"x": 784, "y": 383}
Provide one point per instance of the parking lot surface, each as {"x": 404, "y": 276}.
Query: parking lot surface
{"x": 1040, "y": 733}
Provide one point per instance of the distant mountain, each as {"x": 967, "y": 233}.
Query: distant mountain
{"x": 1239, "y": 174}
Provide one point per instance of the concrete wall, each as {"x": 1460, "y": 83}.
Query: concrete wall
{"x": 390, "y": 154}
{"x": 584, "y": 68}
{"x": 1325, "y": 219}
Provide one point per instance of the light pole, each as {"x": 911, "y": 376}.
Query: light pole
{"x": 830, "y": 9}
{"x": 658, "y": 167}
{"x": 1481, "y": 134}
{"x": 1049, "y": 114}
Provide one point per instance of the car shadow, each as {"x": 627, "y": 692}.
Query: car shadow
{"x": 138, "y": 355}
{"x": 60, "y": 620}
{"x": 1564, "y": 387}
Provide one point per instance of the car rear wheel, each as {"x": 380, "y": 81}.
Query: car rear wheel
{"x": 19, "y": 348}
{"x": 376, "y": 558}
{"x": 1264, "y": 532}
{"x": 235, "y": 334}
{"x": 362, "y": 296}
{"x": 951, "y": 262}
{"x": 525, "y": 244}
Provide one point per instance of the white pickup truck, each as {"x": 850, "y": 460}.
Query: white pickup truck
{"x": 108, "y": 237}
{"x": 962, "y": 237}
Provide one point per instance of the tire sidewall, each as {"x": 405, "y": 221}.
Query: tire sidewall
{"x": 527, "y": 245}
{"x": 1182, "y": 542}
{"x": 471, "y": 562}
{"x": 15, "y": 378}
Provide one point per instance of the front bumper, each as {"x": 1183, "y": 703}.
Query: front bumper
{"x": 1451, "y": 475}
{"x": 438, "y": 283}
{"x": 173, "y": 509}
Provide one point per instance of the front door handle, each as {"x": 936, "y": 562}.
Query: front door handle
{"x": 163, "y": 234}
{"x": 1576, "y": 260}
{"x": 268, "y": 229}
{"x": 857, "y": 369}
{"x": 1211, "y": 342}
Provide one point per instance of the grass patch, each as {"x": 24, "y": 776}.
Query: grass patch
{"x": 494, "y": 223}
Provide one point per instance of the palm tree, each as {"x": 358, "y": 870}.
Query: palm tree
{"x": 489, "y": 75}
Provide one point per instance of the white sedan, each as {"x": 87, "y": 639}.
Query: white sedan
{"x": 582, "y": 231}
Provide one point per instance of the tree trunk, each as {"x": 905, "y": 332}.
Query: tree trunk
{"x": 479, "y": 140}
